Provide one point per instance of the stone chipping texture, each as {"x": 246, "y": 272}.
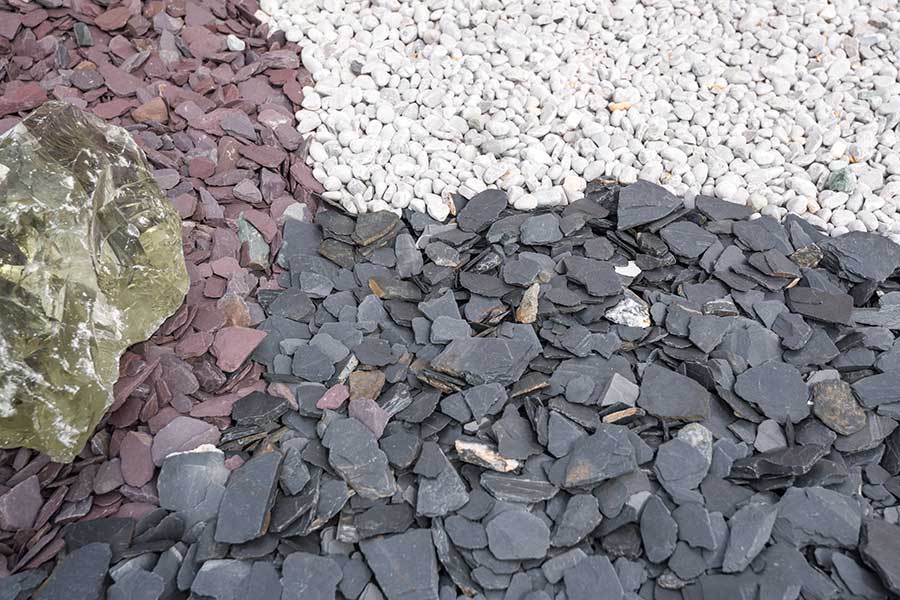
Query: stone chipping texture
{"x": 786, "y": 107}
{"x": 215, "y": 119}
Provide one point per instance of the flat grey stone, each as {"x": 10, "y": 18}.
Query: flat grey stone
{"x": 769, "y": 436}
{"x": 590, "y": 575}
{"x": 687, "y": 239}
{"x": 409, "y": 258}
{"x": 777, "y": 389}
{"x": 355, "y": 455}
{"x": 581, "y": 517}
{"x": 750, "y": 529}
{"x": 464, "y": 533}
{"x": 619, "y": 390}
{"x": 606, "y": 454}
{"x": 482, "y": 210}
{"x": 598, "y": 278}
{"x": 695, "y": 526}
{"x": 880, "y": 549}
{"x": 817, "y": 516}
{"x": 310, "y": 577}
{"x": 518, "y": 535}
{"x": 312, "y": 364}
{"x": 659, "y": 531}
{"x": 249, "y": 496}
{"x": 643, "y": 202}
{"x": 221, "y": 579}
{"x": 442, "y": 494}
{"x": 523, "y": 489}
{"x": 186, "y": 477}
{"x": 79, "y": 576}
{"x": 540, "y": 230}
{"x": 446, "y": 329}
{"x": 680, "y": 468}
{"x": 404, "y": 565}
{"x": 665, "y": 393}
{"x": 878, "y": 389}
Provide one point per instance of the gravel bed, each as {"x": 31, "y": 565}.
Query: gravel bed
{"x": 784, "y": 107}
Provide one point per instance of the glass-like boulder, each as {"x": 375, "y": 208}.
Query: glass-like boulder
{"x": 90, "y": 263}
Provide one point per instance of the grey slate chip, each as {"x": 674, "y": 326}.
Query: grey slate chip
{"x": 79, "y": 576}
{"x": 374, "y": 352}
{"x": 263, "y": 582}
{"x": 819, "y": 305}
{"x": 880, "y": 549}
{"x": 862, "y": 257}
{"x": 581, "y": 516}
{"x": 515, "y": 436}
{"x": 588, "y": 576}
{"x": 540, "y": 230}
{"x": 643, "y": 202}
{"x": 292, "y": 304}
{"x": 680, "y": 468}
{"x": 249, "y": 495}
{"x": 665, "y": 393}
{"x": 695, "y": 526}
{"x": 659, "y": 531}
{"x": 409, "y": 258}
{"x": 404, "y": 565}
{"x": 221, "y": 579}
{"x": 355, "y": 455}
{"x": 707, "y": 331}
{"x": 517, "y": 535}
{"x": 466, "y": 534}
{"x": 687, "y": 239}
{"x": 447, "y": 329}
{"x": 311, "y": 364}
{"x": 186, "y": 478}
{"x": 718, "y": 210}
{"x": 443, "y": 494}
{"x": 523, "y": 489}
{"x": 603, "y": 455}
{"x": 257, "y": 408}
{"x": 777, "y": 389}
{"x": 137, "y": 585}
{"x": 817, "y": 516}
{"x": 879, "y": 389}
{"x": 19, "y": 585}
{"x": 309, "y": 577}
{"x": 598, "y": 278}
{"x": 750, "y": 529}
{"x": 482, "y": 210}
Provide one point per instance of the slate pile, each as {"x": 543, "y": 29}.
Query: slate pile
{"x": 620, "y": 399}
{"x": 209, "y": 97}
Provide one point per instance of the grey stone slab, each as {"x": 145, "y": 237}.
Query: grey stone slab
{"x": 517, "y": 535}
{"x": 644, "y": 202}
{"x": 355, "y": 455}
{"x": 777, "y": 389}
{"x": 606, "y": 454}
{"x": 667, "y": 394}
{"x": 749, "y": 530}
{"x": 309, "y": 577}
{"x": 404, "y": 565}
{"x": 221, "y": 579}
{"x": 249, "y": 496}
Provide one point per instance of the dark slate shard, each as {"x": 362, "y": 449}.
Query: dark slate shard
{"x": 483, "y": 285}
{"x": 381, "y": 520}
{"x": 521, "y": 271}
{"x": 835, "y": 405}
{"x": 540, "y": 230}
{"x": 501, "y": 359}
{"x": 482, "y": 210}
{"x": 860, "y": 256}
{"x": 309, "y": 577}
{"x": 777, "y": 389}
{"x": 137, "y": 585}
{"x": 404, "y": 565}
{"x": 750, "y": 529}
{"x": 562, "y": 434}
{"x": 680, "y": 467}
{"x": 401, "y": 448}
{"x": 517, "y": 488}
{"x": 257, "y": 408}
{"x": 81, "y": 575}
{"x": 443, "y": 305}
{"x": 292, "y": 304}
{"x": 695, "y": 526}
{"x": 452, "y": 560}
{"x": 249, "y": 495}
{"x": 555, "y": 568}
{"x": 738, "y": 587}
{"x": 584, "y": 580}
{"x": 374, "y": 227}
{"x": 294, "y": 473}
{"x": 708, "y": 331}
{"x": 443, "y": 494}
{"x": 659, "y": 531}
{"x": 879, "y": 546}
{"x": 20, "y": 585}
{"x": 686, "y": 562}
{"x": 819, "y": 305}
{"x": 393, "y": 288}
{"x": 687, "y": 239}
{"x": 720, "y": 210}
{"x": 598, "y": 278}
{"x": 431, "y": 461}
{"x": 355, "y": 455}
{"x": 604, "y": 455}
{"x": 859, "y": 580}
{"x": 643, "y": 202}
{"x": 793, "y": 460}
{"x": 667, "y": 394}
{"x": 409, "y": 258}
{"x": 517, "y": 535}
{"x": 374, "y": 352}
{"x": 263, "y": 582}
{"x": 465, "y": 533}
{"x": 486, "y": 399}
{"x": 793, "y": 330}
{"x": 311, "y": 364}
{"x": 445, "y": 329}
{"x": 515, "y": 436}
{"x": 116, "y": 532}
{"x": 817, "y": 516}
{"x": 221, "y": 579}
{"x": 186, "y": 478}
{"x": 879, "y": 389}
{"x": 581, "y": 516}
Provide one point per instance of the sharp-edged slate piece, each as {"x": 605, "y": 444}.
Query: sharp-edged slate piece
{"x": 354, "y": 453}
{"x": 249, "y": 496}
{"x": 404, "y": 565}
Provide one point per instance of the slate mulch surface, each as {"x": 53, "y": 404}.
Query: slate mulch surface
{"x": 217, "y": 125}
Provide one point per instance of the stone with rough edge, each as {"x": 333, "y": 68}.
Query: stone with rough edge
{"x": 62, "y": 333}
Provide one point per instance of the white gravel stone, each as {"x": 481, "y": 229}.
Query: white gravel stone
{"x": 754, "y": 104}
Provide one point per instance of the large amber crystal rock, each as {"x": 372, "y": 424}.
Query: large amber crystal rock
{"x": 90, "y": 263}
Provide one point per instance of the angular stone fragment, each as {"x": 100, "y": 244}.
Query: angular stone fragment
{"x": 112, "y": 270}
{"x": 589, "y": 576}
{"x": 879, "y": 389}
{"x": 659, "y": 531}
{"x": 186, "y": 477}
{"x": 233, "y": 345}
{"x": 221, "y": 579}
{"x": 777, "y": 389}
{"x": 20, "y": 506}
{"x": 644, "y": 202}
{"x": 489, "y": 359}
{"x": 687, "y": 239}
{"x": 695, "y": 526}
{"x": 821, "y": 306}
{"x": 667, "y": 394}
{"x": 355, "y": 455}
{"x": 180, "y": 435}
{"x": 404, "y": 565}
{"x": 834, "y": 405}
{"x": 80, "y": 576}
{"x": 137, "y": 585}
{"x": 680, "y": 468}
{"x": 249, "y": 496}
{"x": 750, "y": 529}
{"x": 860, "y": 257}
{"x": 483, "y": 455}
{"x": 517, "y": 535}
{"x": 442, "y": 494}
{"x": 309, "y": 577}
{"x": 598, "y": 278}
{"x": 817, "y": 516}
{"x": 793, "y": 460}
{"x": 523, "y": 489}
{"x": 540, "y": 230}
{"x": 879, "y": 546}
{"x": 604, "y": 455}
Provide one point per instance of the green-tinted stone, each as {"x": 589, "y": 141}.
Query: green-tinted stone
{"x": 90, "y": 263}
{"x": 842, "y": 180}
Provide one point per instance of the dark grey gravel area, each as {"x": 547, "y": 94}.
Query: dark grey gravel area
{"x": 620, "y": 399}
